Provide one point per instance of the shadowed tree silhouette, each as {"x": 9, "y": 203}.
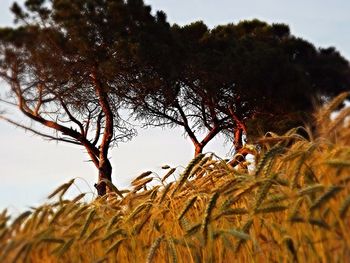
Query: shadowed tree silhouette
{"x": 247, "y": 78}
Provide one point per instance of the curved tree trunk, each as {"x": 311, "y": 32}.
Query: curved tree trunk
{"x": 238, "y": 139}
{"x": 238, "y": 131}
{"x": 105, "y": 173}
{"x": 198, "y": 149}
{"x": 105, "y": 167}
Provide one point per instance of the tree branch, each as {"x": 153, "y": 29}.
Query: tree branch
{"x": 72, "y": 118}
{"x": 40, "y": 101}
{"x": 37, "y": 132}
{"x": 23, "y": 107}
{"x": 98, "y": 128}
{"x": 160, "y": 114}
{"x": 186, "y": 125}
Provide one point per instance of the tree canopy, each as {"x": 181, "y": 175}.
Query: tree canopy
{"x": 237, "y": 79}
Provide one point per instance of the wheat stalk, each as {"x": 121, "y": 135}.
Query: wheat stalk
{"x": 339, "y": 120}
{"x": 187, "y": 172}
{"x": 138, "y": 228}
{"x": 87, "y": 223}
{"x": 207, "y": 215}
{"x": 138, "y": 210}
{"x": 263, "y": 191}
{"x": 114, "y": 247}
{"x": 19, "y": 220}
{"x": 194, "y": 229}
{"x": 330, "y": 193}
{"x": 199, "y": 166}
{"x": 311, "y": 189}
{"x": 172, "y": 250}
{"x": 187, "y": 207}
{"x": 271, "y": 209}
{"x": 338, "y": 163}
{"x": 60, "y": 250}
{"x": 153, "y": 249}
{"x": 289, "y": 243}
{"x": 24, "y": 250}
{"x": 112, "y": 187}
{"x": 264, "y": 161}
{"x": 62, "y": 189}
{"x": 170, "y": 172}
{"x": 319, "y": 222}
{"x": 233, "y": 232}
{"x": 344, "y": 207}
{"x": 296, "y": 207}
{"x": 322, "y": 116}
{"x": 57, "y": 215}
{"x": 141, "y": 176}
{"x": 245, "y": 229}
{"x": 165, "y": 192}
{"x": 141, "y": 183}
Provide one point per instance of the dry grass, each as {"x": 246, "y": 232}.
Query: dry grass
{"x": 294, "y": 208}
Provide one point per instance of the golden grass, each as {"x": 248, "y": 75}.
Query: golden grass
{"x": 294, "y": 208}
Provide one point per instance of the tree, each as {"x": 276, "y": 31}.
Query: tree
{"x": 66, "y": 63}
{"x": 280, "y": 77}
{"x": 236, "y": 79}
{"x": 165, "y": 95}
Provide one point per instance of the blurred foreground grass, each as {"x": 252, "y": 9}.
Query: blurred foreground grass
{"x": 292, "y": 208}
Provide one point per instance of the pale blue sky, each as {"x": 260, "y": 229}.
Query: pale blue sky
{"x": 30, "y": 168}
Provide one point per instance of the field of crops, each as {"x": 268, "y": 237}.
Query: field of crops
{"x": 294, "y": 207}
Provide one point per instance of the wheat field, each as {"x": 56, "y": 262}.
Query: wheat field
{"x": 294, "y": 207}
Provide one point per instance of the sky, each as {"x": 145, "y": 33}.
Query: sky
{"x": 30, "y": 167}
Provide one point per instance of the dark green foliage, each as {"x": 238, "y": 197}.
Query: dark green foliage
{"x": 249, "y": 76}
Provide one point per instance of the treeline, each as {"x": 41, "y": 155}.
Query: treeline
{"x": 73, "y": 66}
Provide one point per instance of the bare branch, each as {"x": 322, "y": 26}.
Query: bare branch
{"x": 6, "y": 76}
{"x": 98, "y": 128}
{"x": 186, "y": 124}
{"x": 210, "y": 135}
{"x": 47, "y": 136}
{"x": 71, "y": 117}
{"x": 204, "y": 115}
{"x": 9, "y": 102}
{"x": 53, "y": 124}
{"x": 161, "y": 114}
{"x": 40, "y": 91}
{"x": 87, "y": 125}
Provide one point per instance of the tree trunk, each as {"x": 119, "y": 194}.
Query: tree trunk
{"x": 198, "y": 148}
{"x": 238, "y": 140}
{"x": 105, "y": 173}
{"x": 239, "y": 130}
{"x": 105, "y": 167}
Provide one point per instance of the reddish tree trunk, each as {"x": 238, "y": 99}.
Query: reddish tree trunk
{"x": 239, "y": 130}
{"x": 198, "y": 149}
{"x": 105, "y": 173}
{"x": 105, "y": 168}
{"x": 238, "y": 142}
